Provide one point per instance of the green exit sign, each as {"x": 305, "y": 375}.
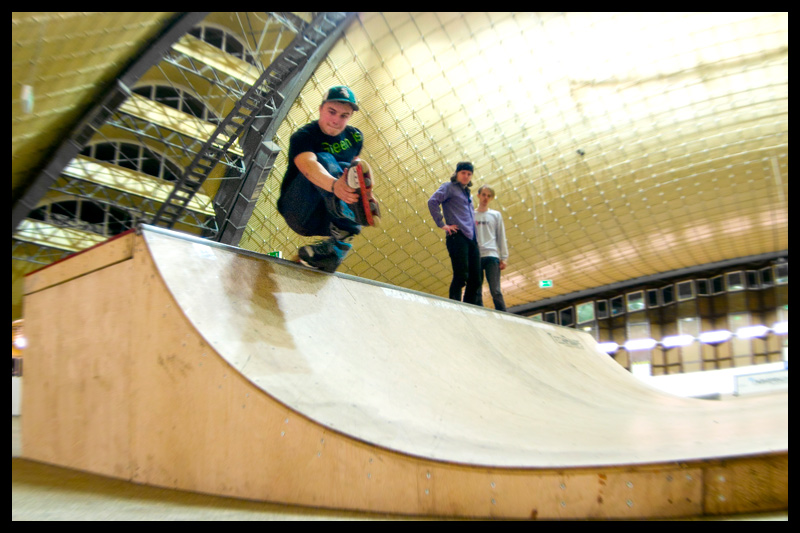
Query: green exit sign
{"x": 545, "y": 283}
{"x": 277, "y": 254}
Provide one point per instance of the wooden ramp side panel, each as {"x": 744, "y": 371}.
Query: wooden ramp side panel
{"x": 76, "y": 395}
{"x": 120, "y": 383}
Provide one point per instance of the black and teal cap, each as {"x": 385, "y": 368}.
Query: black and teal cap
{"x": 343, "y": 94}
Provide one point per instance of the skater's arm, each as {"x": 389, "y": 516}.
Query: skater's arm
{"x": 313, "y": 170}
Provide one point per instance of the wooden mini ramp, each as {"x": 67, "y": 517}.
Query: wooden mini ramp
{"x": 173, "y": 362}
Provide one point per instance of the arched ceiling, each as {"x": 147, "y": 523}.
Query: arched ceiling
{"x": 620, "y": 145}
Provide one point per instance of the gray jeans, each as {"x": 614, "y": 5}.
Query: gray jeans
{"x": 491, "y": 267}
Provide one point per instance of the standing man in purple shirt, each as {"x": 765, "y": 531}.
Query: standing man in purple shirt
{"x": 454, "y": 200}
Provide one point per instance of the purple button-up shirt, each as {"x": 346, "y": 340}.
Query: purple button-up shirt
{"x": 457, "y": 207}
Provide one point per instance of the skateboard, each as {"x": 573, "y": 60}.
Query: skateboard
{"x": 359, "y": 177}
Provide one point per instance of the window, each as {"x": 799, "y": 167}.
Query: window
{"x": 103, "y": 219}
{"x": 717, "y": 286}
{"x": 782, "y": 273}
{"x": 766, "y": 277}
{"x": 685, "y": 290}
{"x": 585, "y": 312}
{"x": 602, "y": 309}
{"x": 617, "y": 306}
{"x": 550, "y": 316}
{"x": 668, "y": 295}
{"x": 103, "y": 151}
{"x": 225, "y": 41}
{"x": 734, "y": 281}
{"x": 702, "y": 287}
{"x": 177, "y": 99}
{"x": 653, "y": 298}
{"x": 130, "y": 156}
{"x": 134, "y": 157}
{"x": 168, "y": 96}
{"x": 567, "y": 316}
{"x": 635, "y": 301}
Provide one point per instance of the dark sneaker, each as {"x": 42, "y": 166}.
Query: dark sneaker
{"x": 366, "y": 212}
{"x": 325, "y": 255}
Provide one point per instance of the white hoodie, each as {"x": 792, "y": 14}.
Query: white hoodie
{"x": 491, "y": 234}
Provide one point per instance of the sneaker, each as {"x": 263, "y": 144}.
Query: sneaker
{"x": 366, "y": 212}
{"x": 325, "y": 255}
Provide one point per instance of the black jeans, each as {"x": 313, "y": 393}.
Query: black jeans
{"x": 465, "y": 257}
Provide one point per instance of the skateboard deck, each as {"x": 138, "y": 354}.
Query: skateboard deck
{"x": 365, "y": 187}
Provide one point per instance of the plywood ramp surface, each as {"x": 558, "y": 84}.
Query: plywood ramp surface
{"x": 201, "y": 367}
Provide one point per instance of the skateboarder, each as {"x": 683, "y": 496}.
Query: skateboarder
{"x": 327, "y": 190}
{"x": 492, "y": 245}
{"x": 454, "y": 200}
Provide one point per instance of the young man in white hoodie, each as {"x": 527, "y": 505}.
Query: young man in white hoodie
{"x": 492, "y": 244}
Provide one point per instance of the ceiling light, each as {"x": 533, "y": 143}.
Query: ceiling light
{"x": 674, "y": 341}
{"x": 640, "y": 344}
{"x": 715, "y": 337}
{"x": 608, "y": 347}
{"x": 751, "y": 332}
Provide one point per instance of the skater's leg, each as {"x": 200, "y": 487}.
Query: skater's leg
{"x": 341, "y": 214}
{"x": 303, "y": 208}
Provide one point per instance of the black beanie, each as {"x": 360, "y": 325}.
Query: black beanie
{"x": 464, "y": 165}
